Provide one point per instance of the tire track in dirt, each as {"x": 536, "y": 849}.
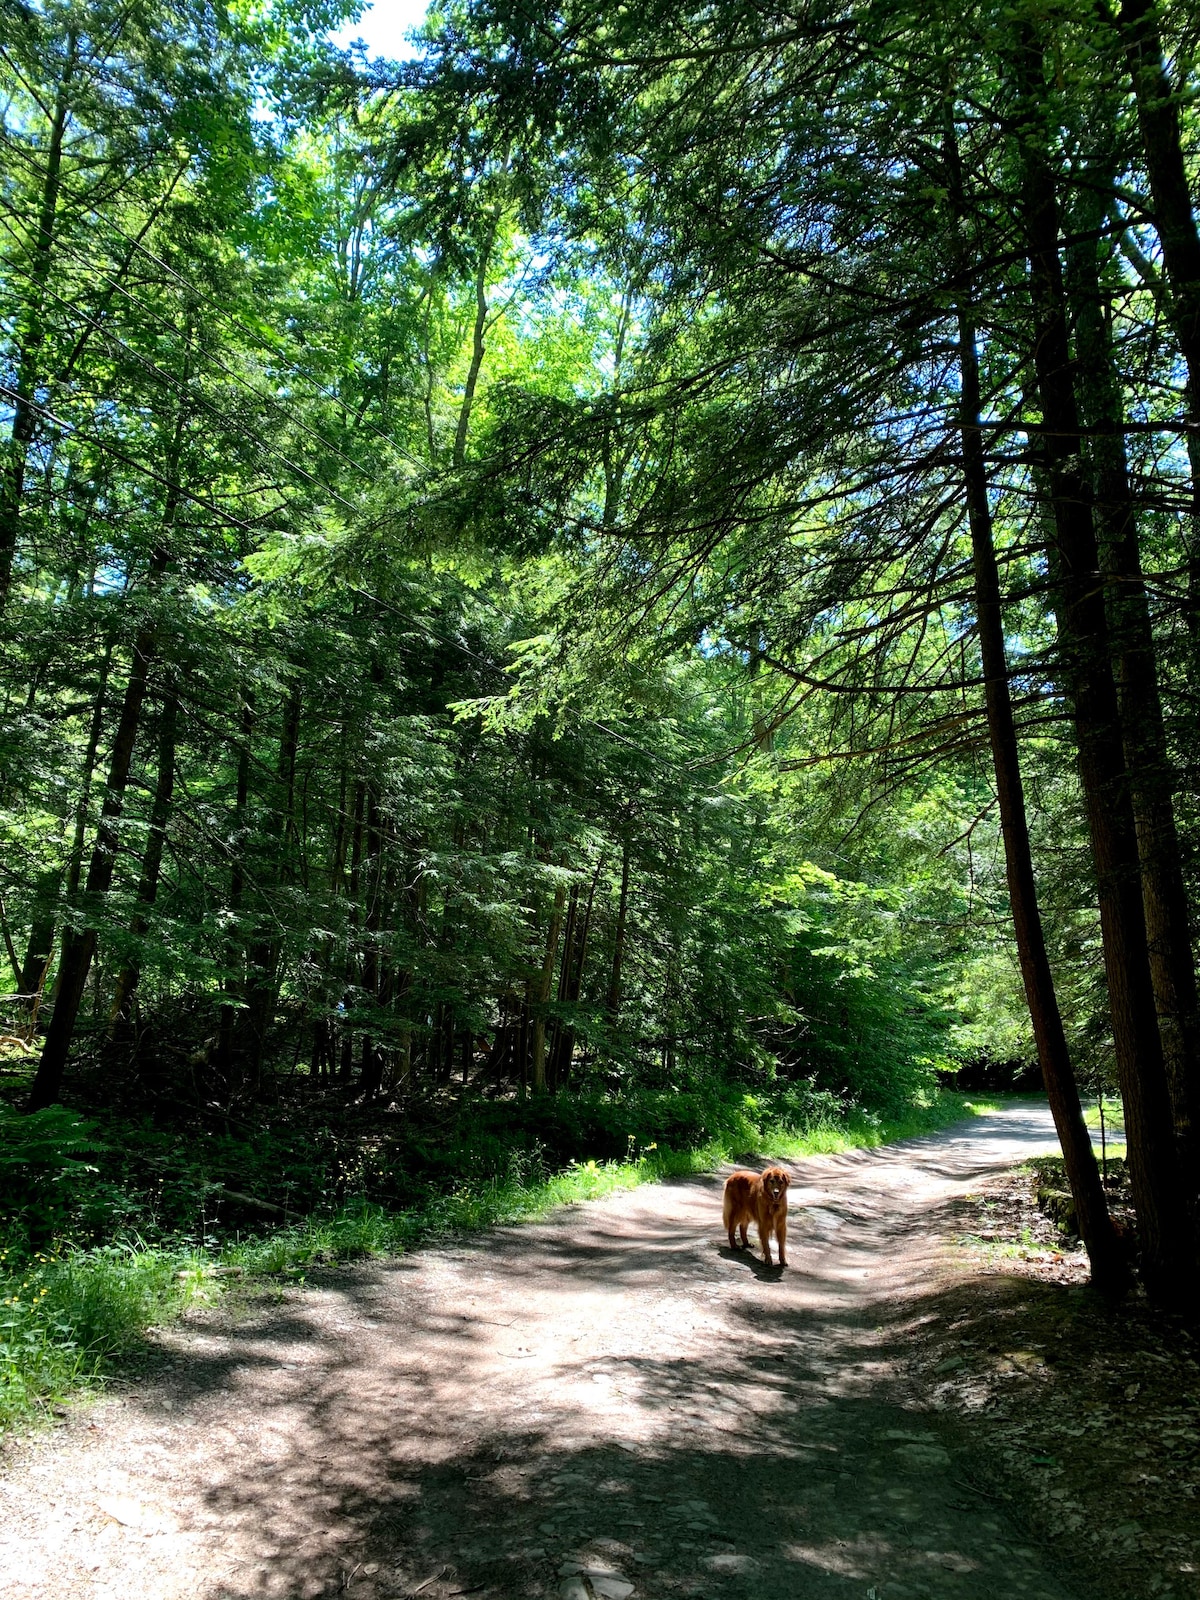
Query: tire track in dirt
{"x": 608, "y": 1404}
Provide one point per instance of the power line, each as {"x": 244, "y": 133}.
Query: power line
{"x": 208, "y": 356}
{"x": 130, "y": 461}
{"x": 181, "y": 388}
{"x": 254, "y": 336}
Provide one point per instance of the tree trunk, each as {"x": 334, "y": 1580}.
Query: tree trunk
{"x": 32, "y": 337}
{"x": 147, "y": 892}
{"x": 237, "y": 883}
{"x": 612, "y": 1005}
{"x": 525, "y": 1041}
{"x": 1087, "y": 1191}
{"x": 75, "y": 861}
{"x": 478, "y": 332}
{"x": 322, "y": 1049}
{"x": 44, "y": 918}
{"x": 542, "y": 993}
{"x": 40, "y": 947}
{"x": 78, "y": 948}
{"x": 319, "y": 1065}
{"x": 1164, "y": 896}
{"x": 403, "y": 1080}
{"x": 574, "y": 958}
{"x": 352, "y": 970}
{"x": 370, "y": 1073}
{"x": 557, "y": 1027}
{"x": 262, "y": 980}
{"x": 372, "y": 1070}
{"x": 1158, "y": 104}
{"x": 1168, "y": 1246}
{"x": 1158, "y": 107}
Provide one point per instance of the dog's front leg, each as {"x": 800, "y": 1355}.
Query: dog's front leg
{"x": 764, "y": 1237}
{"x": 781, "y": 1235}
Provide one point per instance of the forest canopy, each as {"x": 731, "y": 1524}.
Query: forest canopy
{"x": 638, "y": 549}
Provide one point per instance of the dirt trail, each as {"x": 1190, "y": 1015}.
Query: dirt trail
{"x": 604, "y": 1405}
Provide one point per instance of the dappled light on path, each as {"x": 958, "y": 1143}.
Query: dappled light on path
{"x": 608, "y": 1404}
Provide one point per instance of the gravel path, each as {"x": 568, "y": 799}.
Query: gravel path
{"x": 603, "y": 1405}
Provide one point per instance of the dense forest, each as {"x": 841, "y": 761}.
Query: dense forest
{"x": 642, "y": 551}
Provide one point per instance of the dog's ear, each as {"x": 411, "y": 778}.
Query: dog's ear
{"x": 787, "y": 1178}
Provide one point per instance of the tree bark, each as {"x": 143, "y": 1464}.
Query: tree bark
{"x": 79, "y": 947}
{"x": 156, "y": 838}
{"x": 1167, "y": 1242}
{"x": 542, "y": 993}
{"x": 371, "y": 1075}
{"x": 33, "y": 334}
{"x": 75, "y": 862}
{"x": 40, "y": 946}
{"x": 237, "y": 883}
{"x": 36, "y": 965}
{"x": 478, "y": 333}
{"x": 612, "y": 1005}
{"x": 557, "y": 1028}
{"x": 1095, "y": 1225}
{"x": 346, "y": 1065}
{"x": 575, "y": 957}
{"x": 1159, "y": 123}
{"x": 1151, "y": 776}
{"x": 262, "y": 981}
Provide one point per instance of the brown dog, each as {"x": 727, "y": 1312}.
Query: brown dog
{"x": 762, "y": 1199}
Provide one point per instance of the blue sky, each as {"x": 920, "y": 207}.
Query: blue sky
{"x": 383, "y": 26}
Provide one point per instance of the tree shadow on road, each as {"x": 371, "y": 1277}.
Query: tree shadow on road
{"x": 426, "y": 1427}
{"x": 782, "y": 1458}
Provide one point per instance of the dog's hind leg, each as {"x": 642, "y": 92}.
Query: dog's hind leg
{"x": 730, "y": 1220}
{"x": 745, "y": 1238}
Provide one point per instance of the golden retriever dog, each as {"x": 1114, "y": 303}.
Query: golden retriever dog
{"x": 760, "y": 1198}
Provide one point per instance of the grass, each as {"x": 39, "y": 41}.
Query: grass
{"x": 1114, "y": 1126}
{"x": 68, "y": 1318}
{"x": 367, "y": 1230}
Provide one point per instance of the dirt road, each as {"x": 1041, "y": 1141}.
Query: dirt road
{"x": 604, "y": 1405}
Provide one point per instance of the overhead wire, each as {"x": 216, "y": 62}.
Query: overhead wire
{"x": 160, "y": 373}
{"x": 208, "y": 356}
{"x": 108, "y": 448}
{"x": 252, "y": 334}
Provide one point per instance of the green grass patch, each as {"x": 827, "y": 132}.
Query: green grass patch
{"x": 1114, "y": 1127}
{"x": 1114, "y": 1113}
{"x": 68, "y": 1318}
{"x": 65, "y": 1320}
{"x": 365, "y": 1229}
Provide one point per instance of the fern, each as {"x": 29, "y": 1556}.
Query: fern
{"x": 52, "y": 1140}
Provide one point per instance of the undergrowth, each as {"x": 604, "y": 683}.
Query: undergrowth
{"x": 66, "y": 1318}
{"x": 71, "y": 1311}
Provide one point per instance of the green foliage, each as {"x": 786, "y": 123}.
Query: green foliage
{"x": 68, "y": 1318}
{"x": 44, "y": 1166}
{"x": 491, "y": 656}
{"x": 412, "y": 704}
{"x": 49, "y": 1142}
